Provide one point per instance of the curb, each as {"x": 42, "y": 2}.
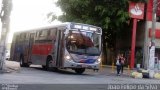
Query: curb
{"x": 109, "y": 66}
{"x": 13, "y": 69}
{"x": 5, "y": 71}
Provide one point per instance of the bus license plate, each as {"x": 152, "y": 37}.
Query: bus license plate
{"x": 84, "y": 65}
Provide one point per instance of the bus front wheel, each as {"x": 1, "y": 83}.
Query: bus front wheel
{"x": 79, "y": 70}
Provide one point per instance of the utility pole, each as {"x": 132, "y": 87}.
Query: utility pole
{"x": 5, "y": 19}
{"x": 152, "y": 46}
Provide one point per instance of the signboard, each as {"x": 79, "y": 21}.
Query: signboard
{"x": 136, "y": 10}
{"x": 157, "y": 33}
{"x": 158, "y": 7}
{"x": 150, "y": 9}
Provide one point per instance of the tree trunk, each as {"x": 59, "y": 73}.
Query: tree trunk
{"x": 104, "y": 46}
{"x": 2, "y": 48}
{"x": 5, "y": 19}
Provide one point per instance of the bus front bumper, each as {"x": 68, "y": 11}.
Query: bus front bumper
{"x": 72, "y": 64}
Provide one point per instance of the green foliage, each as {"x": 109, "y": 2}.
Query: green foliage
{"x": 111, "y": 15}
{"x": 51, "y": 17}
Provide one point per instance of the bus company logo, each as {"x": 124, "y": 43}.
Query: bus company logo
{"x": 136, "y": 10}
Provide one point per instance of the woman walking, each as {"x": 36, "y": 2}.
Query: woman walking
{"x": 118, "y": 64}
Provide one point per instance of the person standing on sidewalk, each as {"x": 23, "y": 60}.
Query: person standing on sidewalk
{"x": 118, "y": 64}
{"x": 122, "y": 59}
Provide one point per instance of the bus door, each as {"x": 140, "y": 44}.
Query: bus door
{"x": 60, "y": 48}
{"x": 31, "y": 40}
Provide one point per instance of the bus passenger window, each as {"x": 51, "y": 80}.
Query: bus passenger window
{"x": 40, "y": 33}
{"x": 43, "y": 33}
{"x": 36, "y": 34}
{"x": 53, "y": 32}
{"x": 27, "y": 36}
{"x": 48, "y": 32}
{"x": 22, "y": 36}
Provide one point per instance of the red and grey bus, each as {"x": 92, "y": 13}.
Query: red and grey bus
{"x": 69, "y": 45}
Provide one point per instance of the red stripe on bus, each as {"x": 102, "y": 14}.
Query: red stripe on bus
{"x": 42, "y": 49}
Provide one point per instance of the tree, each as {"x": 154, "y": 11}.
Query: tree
{"x": 111, "y": 15}
{"x": 5, "y": 19}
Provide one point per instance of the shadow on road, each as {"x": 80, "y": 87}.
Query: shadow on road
{"x": 61, "y": 71}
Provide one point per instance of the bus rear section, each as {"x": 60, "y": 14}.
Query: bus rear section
{"x": 73, "y": 45}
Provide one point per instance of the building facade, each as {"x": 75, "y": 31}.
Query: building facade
{"x": 143, "y": 39}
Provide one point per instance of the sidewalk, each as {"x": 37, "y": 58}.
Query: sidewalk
{"x": 10, "y": 66}
{"x": 109, "y": 70}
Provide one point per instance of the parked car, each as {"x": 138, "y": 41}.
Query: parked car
{"x": 7, "y": 54}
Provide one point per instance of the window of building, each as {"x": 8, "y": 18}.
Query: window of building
{"x": 158, "y": 18}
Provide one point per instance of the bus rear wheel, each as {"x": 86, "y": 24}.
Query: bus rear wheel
{"x": 79, "y": 70}
{"x": 44, "y": 67}
{"x": 22, "y": 64}
{"x": 48, "y": 64}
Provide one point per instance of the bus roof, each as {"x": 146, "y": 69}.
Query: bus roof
{"x": 66, "y": 24}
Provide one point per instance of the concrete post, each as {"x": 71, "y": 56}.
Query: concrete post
{"x": 152, "y": 47}
{"x": 146, "y": 47}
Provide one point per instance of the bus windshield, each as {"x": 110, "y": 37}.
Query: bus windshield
{"x": 81, "y": 42}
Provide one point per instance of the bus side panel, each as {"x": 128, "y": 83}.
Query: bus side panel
{"x": 61, "y": 50}
{"x": 44, "y": 46}
{"x": 19, "y": 50}
{"x": 40, "y": 53}
{"x": 12, "y": 52}
{"x": 19, "y": 47}
{"x": 25, "y": 50}
{"x": 16, "y": 49}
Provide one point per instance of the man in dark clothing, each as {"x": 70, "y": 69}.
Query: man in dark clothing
{"x": 122, "y": 59}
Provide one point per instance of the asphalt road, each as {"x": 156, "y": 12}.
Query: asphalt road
{"x": 35, "y": 78}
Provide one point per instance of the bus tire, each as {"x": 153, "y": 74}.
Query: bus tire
{"x": 26, "y": 65}
{"x": 55, "y": 69}
{"x": 22, "y": 64}
{"x": 44, "y": 67}
{"x": 22, "y": 61}
{"x": 79, "y": 70}
{"x": 48, "y": 62}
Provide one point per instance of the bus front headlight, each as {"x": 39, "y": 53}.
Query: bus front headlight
{"x": 67, "y": 57}
{"x": 99, "y": 60}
